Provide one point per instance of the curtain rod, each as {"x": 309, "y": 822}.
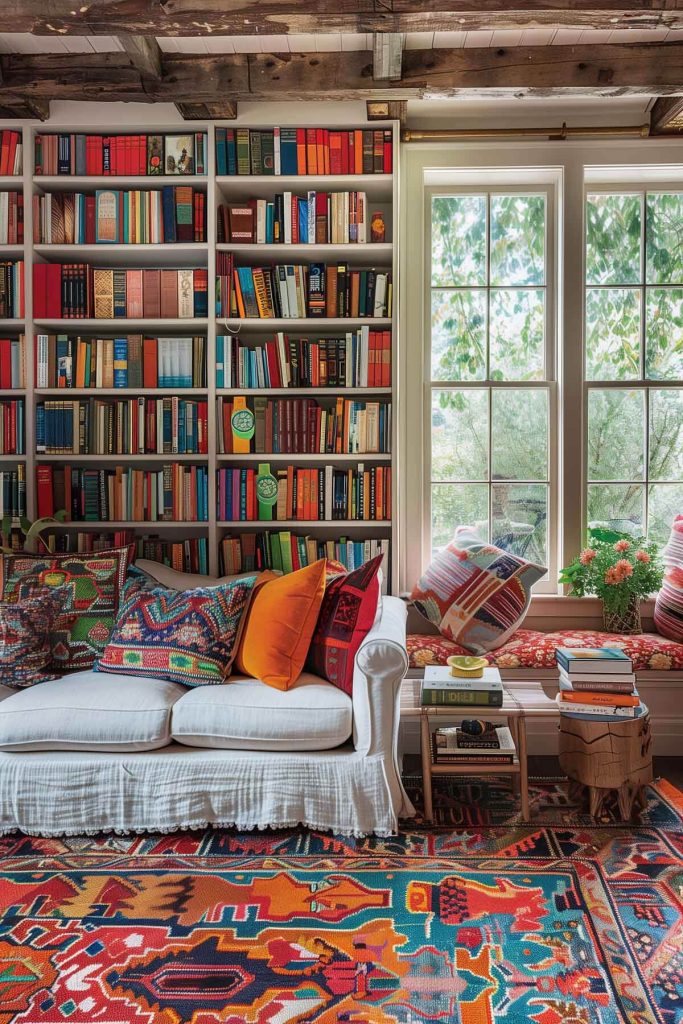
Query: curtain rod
{"x": 552, "y": 134}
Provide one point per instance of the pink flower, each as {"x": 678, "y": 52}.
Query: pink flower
{"x": 623, "y": 568}
{"x": 612, "y": 577}
{"x": 642, "y": 556}
{"x": 622, "y": 545}
{"x": 587, "y": 556}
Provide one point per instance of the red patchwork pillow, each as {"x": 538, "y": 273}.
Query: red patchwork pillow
{"x": 346, "y": 616}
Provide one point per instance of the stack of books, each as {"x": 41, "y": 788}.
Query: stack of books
{"x": 455, "y": 746}
{"x": 597, "y": 683}
{"x": 441, "y": 689}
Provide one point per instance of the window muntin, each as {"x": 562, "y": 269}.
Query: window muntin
{"x": 634, "y": 359}
{"x": 490, "y": 365}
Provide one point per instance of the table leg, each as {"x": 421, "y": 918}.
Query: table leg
{"x": 426, "y": 747}
{"x": 523, "y": 775}
{"x": 512, "y": 726}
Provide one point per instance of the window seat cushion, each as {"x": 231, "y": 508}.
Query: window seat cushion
{"x": 528, "y": 648}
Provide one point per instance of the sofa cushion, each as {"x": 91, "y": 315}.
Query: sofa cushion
{"x": 245, "y": 713}
{"x": 528, "y": 648}
{"x": 477, "y": 594}
{"x": 89, "y": 711}
{"x": 668, "y": 613}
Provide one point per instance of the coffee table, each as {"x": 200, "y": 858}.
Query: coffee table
{"x": 519, "y": 704}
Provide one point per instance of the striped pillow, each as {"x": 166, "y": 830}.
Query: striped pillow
{"x": 669, "y": 603}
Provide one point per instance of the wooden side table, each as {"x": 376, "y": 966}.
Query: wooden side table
{"x": 518, "y": 705}
{"x": 607, "y": 756}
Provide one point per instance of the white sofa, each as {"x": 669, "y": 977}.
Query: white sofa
{"x": 94, "y": 751}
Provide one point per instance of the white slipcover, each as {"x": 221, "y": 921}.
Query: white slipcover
{"x": 248, "y": 715}
{"x": 354, "y": 789}
{"x": 89, "y": 711}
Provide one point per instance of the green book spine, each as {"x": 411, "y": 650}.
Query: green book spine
{"x": 286, "y": 551}
{"x": 464, "y": 698}
{"x": 275, "y": 552}
{"x": 243, "y": 161}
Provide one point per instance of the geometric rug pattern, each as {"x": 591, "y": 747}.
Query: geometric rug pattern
{"x": 553, "y": 922}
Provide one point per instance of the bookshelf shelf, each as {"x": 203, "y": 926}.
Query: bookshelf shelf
{"x": 78, "y": 182}
{"x": 350, "y": 252}
{"x": 305, "y": 392}
{"x": 382, "y": 194}
{"x": 302, "y": 457}
{"x": 308, "y": 524}
{"x": 172, "y": 326}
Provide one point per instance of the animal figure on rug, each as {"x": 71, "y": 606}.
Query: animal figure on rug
{"x": 456, "y": 900}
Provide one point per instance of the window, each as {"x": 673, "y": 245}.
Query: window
{"x": 491, "y": 368}
{"x": 634, "y": 360}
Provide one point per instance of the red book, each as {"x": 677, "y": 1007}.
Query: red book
{"x": 273, "y": 368}
{"x": 5, "y": 364}
{"x": 388, "y": 161}
{"x": 53, "y": 291}
{"x": 90, "y": 233}
{"x": 98, "y": 155}
{"x": 151, "y": 293}
{"x": 44, "y": 489}
{"x": 4, "y": 154}
{"x": 39, "y": 290}
{"x": 149, "y": 363}
{"x": 320, "y": 149}
{"x": 385, "y": 377}
{"x": 13, "y": 140}
{"x": 251, "y": 494}
{"x": 336, "y": 153}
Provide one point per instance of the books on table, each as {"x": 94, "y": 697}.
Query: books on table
{"x": 440, "y": 688}
{"x": 453, "y": 746}
{"x": 597, "y": 683}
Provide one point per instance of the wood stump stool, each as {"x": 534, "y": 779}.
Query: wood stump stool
{"x": 607, "y": 757}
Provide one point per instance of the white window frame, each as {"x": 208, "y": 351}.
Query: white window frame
{"x": 547, "y": 383}
{"x": 642, "y": 383}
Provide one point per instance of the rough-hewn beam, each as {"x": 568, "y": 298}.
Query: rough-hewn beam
{"x": 387, "y": 56}
{"x": 223, "y": 110}
{"x": 536, "y": 70}
{"x": 280, "y": 17}
{"x": 26, "y": 110}
{"x": 667, "y": 115}
{"x": 143, "y": 53}
{"x": 386, "y": 110}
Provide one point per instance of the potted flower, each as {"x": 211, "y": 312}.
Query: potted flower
{"x": 621, "y": 573}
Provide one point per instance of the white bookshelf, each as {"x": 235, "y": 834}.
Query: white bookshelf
{"x": 382, "y": 192}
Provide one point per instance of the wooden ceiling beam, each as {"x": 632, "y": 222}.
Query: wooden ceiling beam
{"x": 536, "y": 70}
{"x": 144, "y": 54}
{"x": 387, "y": 56}
{"x": 281, "y": 17}
{"x": 666, "y": 116}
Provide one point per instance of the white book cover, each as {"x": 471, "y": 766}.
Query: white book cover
{"x": 283, "y": 289}
{"x": 380, "y": 294}
{"x": 261, "y": 218}
{"x": 438, "y": 677}
{"x": 287, "y": 204}
{"x": 42, "y": 360}
{"x": 292, "y": 297}
{"x": 364, "y": 348}
{"x": 276, "y": 151}
{"x": 310, "y": 210}
{"x": 282, "y": 359}
{"x": 328, "y": 491}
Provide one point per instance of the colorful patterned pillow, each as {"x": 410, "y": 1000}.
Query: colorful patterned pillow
{"x": 477, "y": 594}
{"x": 185, "y": 636}
{"x": 346, "y": 616}
{"x": 90, "y": 588}
{"x": 669, "y": 604}
{"x": 25, "y": 650}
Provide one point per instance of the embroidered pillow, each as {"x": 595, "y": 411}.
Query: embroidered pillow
{"x": 346, "y": 616}
{"x": 90, "y": 589}
{"x": 477, "y": 594}
{"x": 25, "y": 651}
{"x": 669, "y": 603}
{"x": 185, "y": 636}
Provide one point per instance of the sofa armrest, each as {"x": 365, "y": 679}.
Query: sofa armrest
{"x": 381, "y": 665}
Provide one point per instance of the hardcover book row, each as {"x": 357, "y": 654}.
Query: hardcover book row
{"x": 79, "y": 291}
{"x": 12, "y": 366}
{"x": 295, "y": 151}
{"x": 11, "y": 153}
{"x": 11, "y": 218}
{"x": 12, "y": 434}
{"x": 11, "y": 289}
{"x": 133, "y": 361}
{"x": 319, "y": 218}
{"x": 80, "y": 154}
{"x": 285, "y": 552}
{"x": 189, "y": 555}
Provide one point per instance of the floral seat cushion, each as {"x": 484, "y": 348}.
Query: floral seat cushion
{"x": 528, "y": 648}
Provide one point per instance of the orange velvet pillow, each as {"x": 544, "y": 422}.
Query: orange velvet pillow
{"x": 280, "y": 625}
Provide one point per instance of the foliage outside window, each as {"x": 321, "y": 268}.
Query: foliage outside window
{"x": 634, "y": 360}
{"x": 491, "y": 369}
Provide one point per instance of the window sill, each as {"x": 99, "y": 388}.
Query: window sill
{"x": 549, "y": 612}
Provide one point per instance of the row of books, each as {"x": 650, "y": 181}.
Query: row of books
{"x": 285, "y": 552}
{"x": 13, "y": 492}
{"x": 307, "y": 495}
{"x": 173, "y": 493}
{"x": 318, "y": 219}
{"x": 298, "y": 291}
{"x": 11, "y": 289}
{"x": 12, "y": 363}
{"x": 597, "y": 683}
{"x": 362, "y": 358}
{"x": 92, "y": 154}
{"x": 78, "y": 290}
{"x": 12, "y": 432}
{"x": 11, "y": 152}
{"x": 455, "y": 745}
{"x": 171, "y": 214}
{"x": 304, "y": 151}
{"x": 139, "y": 426}
{"x": 303, "y": 425}
{"x": 189, "y": 555}
{"x": 133, "y": 361}
{"x": 11, "y": 218}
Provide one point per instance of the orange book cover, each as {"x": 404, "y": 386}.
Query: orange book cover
{"x": 617, "y": 700}
{"x": 355, "y": 292}
{"x": 379, "y": 493}
{"x": 81, "y": 350}
{"x": 387, "y": 494}
{"x": 290, "y": 492}
{"x": 301, "y": 151}
{"x": 311, "y": 152}
{"x": 149, "y": 363}
{"x": 358, "y": 151}
{"x": 237, "y": 292}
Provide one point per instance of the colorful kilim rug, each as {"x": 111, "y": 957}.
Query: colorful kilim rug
{"x": 553, "y": 923}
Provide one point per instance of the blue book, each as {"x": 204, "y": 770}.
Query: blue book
{"x": 593, "y": 660}
{"x": 220, "y": 371}
{"x": 303, "y": 218}
{"x": 288, "y": 159}
{"x": 168, "y": 211}
{"x": 120, "y": 362}
{"x": 246, "y": 281}
{"x": 231, "y": 150}
{"x": 221, "y": 152}
{"x": 270, "y": 223}
{"x": 40, "y": 429}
